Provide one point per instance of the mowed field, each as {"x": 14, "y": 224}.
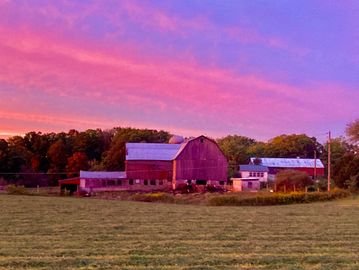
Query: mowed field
{"x": 71, "y": 233}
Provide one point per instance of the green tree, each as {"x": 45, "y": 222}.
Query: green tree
{"x": 257, "y": 150}
{"x": 92, "y": 142}
{"x": 19, "y": 159}
{"x": 338, "y": 148}
{"x": 4, "y": 155}
{"x": 114, "y": 157}
{"x": 352, "y": 131}
{"x": 292, "y": 146}
{"x": 236, "y": 149}
{"x": 345, "y": 169}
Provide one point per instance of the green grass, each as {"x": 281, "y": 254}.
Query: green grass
{"x": 71, "y": 233}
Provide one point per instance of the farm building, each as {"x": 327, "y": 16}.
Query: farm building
{"x": 94, "y": 181}
{"x": 313, "y": 167}
{"x": 159, "y": 166}
{"x": 251, "y": 170}
{"x": 246, "y": 184}
{"x": 199, "y": 161}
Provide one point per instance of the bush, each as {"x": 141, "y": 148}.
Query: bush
{"x": 186, "y": 188}
{"x": 278, "y": 198}
{"x": 152, "y": 197}
{"x": 213, "y": 188}
{"x": 16, "y": 190}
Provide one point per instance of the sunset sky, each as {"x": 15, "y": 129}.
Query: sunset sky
{"x": 254, "y": 68}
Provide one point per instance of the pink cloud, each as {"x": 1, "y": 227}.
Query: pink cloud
{"x": 32, "y": 60}
{"x": 158, "y": 19}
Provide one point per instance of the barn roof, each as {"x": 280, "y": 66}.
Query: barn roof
{"x": 151, "y": 151}
{"x": 290, "y": 162}
{"x": 253, "y": 168}
{"x": 102, "y": 175}
{"x": 157, "y": 151}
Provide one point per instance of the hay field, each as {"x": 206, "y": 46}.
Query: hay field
{"x": 70, "y": 233}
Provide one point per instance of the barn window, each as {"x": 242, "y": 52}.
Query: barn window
{"x": 160, "y": 182}
{"x": 250, "y": 174}
{"x": 202, "y": 140}
{"x": 153, "y": 182}
{"x": 130, "y": 181}
{"x": 145, "y": 182}
{"x": 111, "y": 182}
{"x": 262, "y": 174}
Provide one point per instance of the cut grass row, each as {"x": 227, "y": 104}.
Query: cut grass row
{"x": 67, "y": 233}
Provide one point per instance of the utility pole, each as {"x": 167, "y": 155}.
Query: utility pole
{"x": 315, "y": 164}
{"x": 329, "y": 161}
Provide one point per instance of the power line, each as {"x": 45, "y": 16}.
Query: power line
{"x": 149, "y": 170}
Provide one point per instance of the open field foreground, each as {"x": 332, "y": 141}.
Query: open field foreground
{"x": 71, "y": 233}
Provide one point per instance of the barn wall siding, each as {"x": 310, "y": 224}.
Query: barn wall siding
{"x": 149, "y": 169}
{"x": 201, "y": 159}
{"x": 92, "y": 185}
{"x": 309, "y": 171}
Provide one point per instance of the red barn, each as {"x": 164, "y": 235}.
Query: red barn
{"x": 158, "y": 166}
{"x": 199, "y": 161}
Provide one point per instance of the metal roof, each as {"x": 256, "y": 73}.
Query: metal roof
{"x": 151, "y": 151}
{"x": 253, "y": 168}
{"x": 102, "y": 175}
{"x": 289, "y": 162}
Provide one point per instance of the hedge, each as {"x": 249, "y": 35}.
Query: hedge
{"x": 152, "y": 197}
{"x": 277, "y": 198}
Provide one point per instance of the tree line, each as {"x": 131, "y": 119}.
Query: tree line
{"x": 43, "y": 159}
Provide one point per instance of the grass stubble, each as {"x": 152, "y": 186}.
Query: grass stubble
{"x": 71, "y": 233}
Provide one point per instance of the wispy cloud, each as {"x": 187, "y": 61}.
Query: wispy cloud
{"x": 177, "y": 92}
{"x": 34, "y": 61}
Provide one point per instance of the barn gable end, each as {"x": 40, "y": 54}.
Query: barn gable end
{"x": 200, "y": 159}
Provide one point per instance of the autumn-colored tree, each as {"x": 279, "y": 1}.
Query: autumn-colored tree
{"x": 38, "y": 144}
{"x": 35, "y": 163}
{"x": 78, "y": 161}
{"x": 292, "y": 180}
{"x": 57, "y": 155}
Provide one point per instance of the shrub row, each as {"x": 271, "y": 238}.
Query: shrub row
{"x": 277, "y": 198}
{"x": 153, "y": 197}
